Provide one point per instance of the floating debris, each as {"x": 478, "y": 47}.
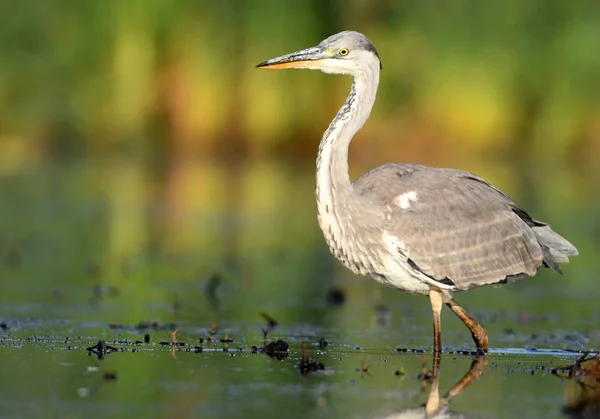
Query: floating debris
{"x": 336, "y": 296}
{"x": 171, "y": 343}
{"x": 364, "y": 369}
{"x": 323, "y": 343}
{"x": 174, "y": 343}
{"x": 425, "y": 375}
{"x": 462, "y": 352}
{"x": 226, "y": 339}
{"x": 307, "y": 365}
{"x": 101, "y": 349}
{"x": 271, "y": 323}
{"x": 584, "y": 367}
{"x": 277, "y": 349}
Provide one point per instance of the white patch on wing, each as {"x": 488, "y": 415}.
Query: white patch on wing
{"x": 405, "y": 200}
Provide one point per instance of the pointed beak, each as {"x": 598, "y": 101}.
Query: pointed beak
{"x": 307, "y": 58}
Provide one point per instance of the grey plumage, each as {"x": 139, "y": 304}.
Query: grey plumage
{"x": 460, "y": 230}
{"x": 420, "y": 229}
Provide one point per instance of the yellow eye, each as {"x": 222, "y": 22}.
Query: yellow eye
{"x": 344, "y": 52}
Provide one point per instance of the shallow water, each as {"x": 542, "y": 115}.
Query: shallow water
{"x": 110, "y": 251}
{"x": 52, "y": 374}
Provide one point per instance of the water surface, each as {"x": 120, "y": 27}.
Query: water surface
{"x": 115, "y": 251}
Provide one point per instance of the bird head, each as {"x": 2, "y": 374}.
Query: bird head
{"x": 346, "y": 52}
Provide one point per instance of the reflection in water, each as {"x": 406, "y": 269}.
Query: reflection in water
{"x": 101, "y": 349}
{"x": 583, "y": 387}
{"x": 210, "y": 291}
{"x": 437, "y": 407}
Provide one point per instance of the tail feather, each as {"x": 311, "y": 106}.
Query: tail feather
{"x": 560, "y": 248}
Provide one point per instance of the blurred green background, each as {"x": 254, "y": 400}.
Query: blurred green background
{"x": 140, "y": 148}
{"x": 176, "y": 79}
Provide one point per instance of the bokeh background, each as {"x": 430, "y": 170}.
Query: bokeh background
{"x": 141, "y": 152}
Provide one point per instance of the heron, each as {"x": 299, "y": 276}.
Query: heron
{"x": 423, "y": 230}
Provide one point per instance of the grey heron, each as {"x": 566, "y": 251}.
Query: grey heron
{"x": 423, "y": 230}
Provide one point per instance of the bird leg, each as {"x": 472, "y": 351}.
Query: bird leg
{"x": 436, "y": 297}
{"x": 478, "y": 332}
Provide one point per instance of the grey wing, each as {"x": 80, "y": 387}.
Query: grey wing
{"x": 459, "y": 230}
{"x": 383, "y": 183}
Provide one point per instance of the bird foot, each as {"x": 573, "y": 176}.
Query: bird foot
{"x": 480, "y": 336}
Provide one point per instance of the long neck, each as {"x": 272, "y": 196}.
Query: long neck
{"x": 335, "y": 195}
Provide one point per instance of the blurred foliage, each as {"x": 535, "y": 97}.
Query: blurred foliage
{"x": 509, "y": 90}
{"x": 177, "y": 78}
